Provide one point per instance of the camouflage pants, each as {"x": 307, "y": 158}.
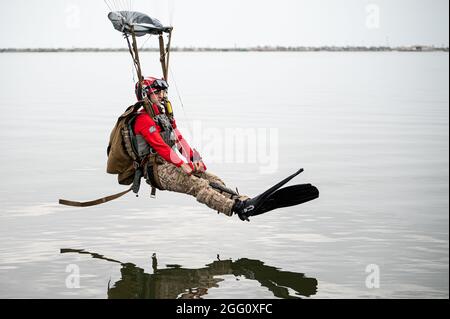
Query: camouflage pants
{"x": 174, "y": 179}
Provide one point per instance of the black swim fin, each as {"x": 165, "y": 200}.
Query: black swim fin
{"x": 288, "y": 196}
{"x": 275, "y": 197}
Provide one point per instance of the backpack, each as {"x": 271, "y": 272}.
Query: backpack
{"x": 122, "y": 158}
{"x": 122, "y": 154}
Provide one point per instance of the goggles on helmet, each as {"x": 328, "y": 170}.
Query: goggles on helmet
{"x": 159, "y": 85}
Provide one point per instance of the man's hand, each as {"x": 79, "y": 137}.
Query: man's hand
{"x": 187, "y": 169}
{"x": 199, "y": 167}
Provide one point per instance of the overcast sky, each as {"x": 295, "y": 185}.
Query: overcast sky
{"x": 229, "y": 23}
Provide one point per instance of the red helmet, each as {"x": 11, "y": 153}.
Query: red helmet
{"x": 149, "y": 85}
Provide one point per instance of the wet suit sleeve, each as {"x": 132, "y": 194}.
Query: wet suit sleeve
{"x": 146, "y": 127}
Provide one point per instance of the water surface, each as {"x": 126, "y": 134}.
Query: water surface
{"x": 370, "y": 129}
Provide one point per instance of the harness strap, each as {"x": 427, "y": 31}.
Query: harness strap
{"x": 94, "y": 202}
{"x": 163, "y": 56}
{"x": 168, "y": 55}
{"x": 155, "y": 173}
{"x": 152, "y": 175}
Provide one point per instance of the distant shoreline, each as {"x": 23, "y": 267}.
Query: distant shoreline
{"x": 415, "y": 48}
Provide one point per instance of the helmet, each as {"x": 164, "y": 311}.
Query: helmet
{"x": 148, "y": 86}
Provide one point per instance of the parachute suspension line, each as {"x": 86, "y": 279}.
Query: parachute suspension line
{"x": 118, "y": 4}
{"x": 162, "y": 56}
{"x": 171, "y": 9}
{"x": 136, "y": 55}
{"x": 135, "y": 64}
{"x": 171, "y": 5}
{"x": 148, "y": 38}
{"x": 181, "y": 101}
{"x": 142, "y": 46}
{"x": 176, "y": 89}
{"x": 169, "y": 41}
{"x": 115, "y": 6}
{"x": 108, "y": 5}
{"x": 124, "y": 4}
{"x": 148, "y": 108}
{"x": 133, "y": 71}
{"x": 131, "y": 52}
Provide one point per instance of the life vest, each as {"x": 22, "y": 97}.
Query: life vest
{"x": 167, "y": 134}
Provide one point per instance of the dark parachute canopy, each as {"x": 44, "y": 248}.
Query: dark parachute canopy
{"x": 123, "y": 21}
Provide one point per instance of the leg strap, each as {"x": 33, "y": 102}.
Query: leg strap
{"x": 151, "y": 175}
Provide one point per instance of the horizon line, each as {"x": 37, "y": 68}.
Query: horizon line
{"x": 266, "y": 48}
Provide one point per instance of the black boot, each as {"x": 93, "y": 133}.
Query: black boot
{"x": 242, "y": 208}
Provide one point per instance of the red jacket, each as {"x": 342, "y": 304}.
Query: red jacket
{"x": 145, "y": 126}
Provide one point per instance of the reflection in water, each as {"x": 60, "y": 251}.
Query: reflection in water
{"x": 177, "y": 282}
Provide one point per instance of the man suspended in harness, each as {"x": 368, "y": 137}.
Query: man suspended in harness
{"x": 143, "y": 144}
{"x": 144, "y": 141}
{"x": 157, "y": 136}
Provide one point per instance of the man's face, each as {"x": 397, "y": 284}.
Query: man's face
{"x": 157, "y": 96}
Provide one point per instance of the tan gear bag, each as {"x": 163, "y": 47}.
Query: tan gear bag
{"x": 121, "y": 154}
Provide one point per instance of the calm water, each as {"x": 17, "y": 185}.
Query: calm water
{"x": 370, "y": 129}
